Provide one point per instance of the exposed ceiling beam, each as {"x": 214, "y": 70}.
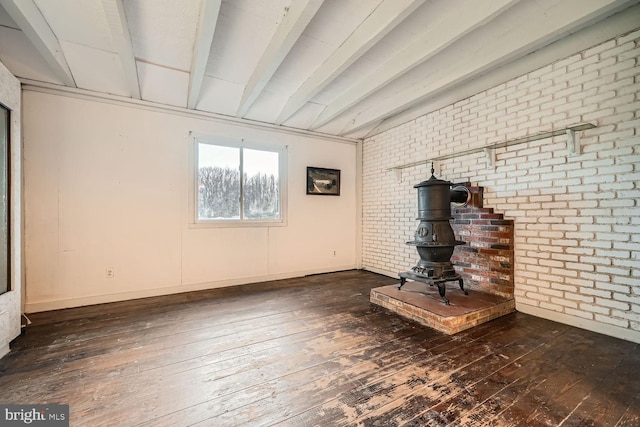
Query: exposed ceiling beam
{"x": 604, "y": 30}
{"x": 119, "y": 28}
{"x": 377, "y": 25}
{"x": 209, "y": 10}
{"x": 295, "y": 21}
{"x": 28, "y": 17}
{"x": 524, "y": 39}
{"x": 456, "y": 24}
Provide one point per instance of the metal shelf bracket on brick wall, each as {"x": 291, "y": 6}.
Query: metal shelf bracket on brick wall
{"x": 573, "y": 147}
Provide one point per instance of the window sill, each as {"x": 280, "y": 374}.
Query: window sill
{"x": 237, "y": 224}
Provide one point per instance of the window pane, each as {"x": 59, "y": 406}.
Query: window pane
{"x": 261, "y": 185}
{"x": 218, "y": 182}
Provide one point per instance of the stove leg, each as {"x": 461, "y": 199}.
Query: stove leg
{"x": 441, "y": 291}
{"x": 402, "y": 282}
{"x": 462, "y": 287}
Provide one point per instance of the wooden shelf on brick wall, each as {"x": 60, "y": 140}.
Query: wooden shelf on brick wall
{"x": 573, "y": 146}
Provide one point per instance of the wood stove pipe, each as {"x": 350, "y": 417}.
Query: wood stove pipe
{"x": 460, "y": 195}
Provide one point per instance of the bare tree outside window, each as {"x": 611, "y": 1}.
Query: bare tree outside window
{"x": 223, "y": 195}
{"x": 261, "y": 185}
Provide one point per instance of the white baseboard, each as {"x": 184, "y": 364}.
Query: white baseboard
{"x": 56, "y": 304}
{"x": 380, "y": 271}
{"x": 590, "y": 325}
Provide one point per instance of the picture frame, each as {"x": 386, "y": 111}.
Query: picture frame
{"x": 323, "y": 181}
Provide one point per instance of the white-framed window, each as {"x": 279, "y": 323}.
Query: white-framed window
{"x": 238, "y": 183}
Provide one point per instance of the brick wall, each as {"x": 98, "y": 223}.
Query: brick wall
{"x": 485, "y": 262}
{"x": 576, "y": 217}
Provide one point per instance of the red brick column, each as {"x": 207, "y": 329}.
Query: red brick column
{"x": 485, "y": 262}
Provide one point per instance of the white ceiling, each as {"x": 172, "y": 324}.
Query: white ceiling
{"x": 341, "y": 67}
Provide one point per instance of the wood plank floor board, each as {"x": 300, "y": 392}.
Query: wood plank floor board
{"x": 513, "y": 384}
{"x": 220, "y": 364}
{"x": 313, "y": 351}
{"x": 229, "y": 376}
{"x": 353, "y": 368}
{"x": 295, "y": 390}
{"x": 137, "y": 341}
{"x": 439, "y": 400}
{"x": 397, "y": 382}
{"x": 631, "y": 416}
{"x": 551, "y": 373}
{"x": 229, "y": 372}
{"x": 559, "y": 400}
{"x": 509, "y": 345}
{"x": 123, "y": 361}
{"x": 186, "y": 317}
{"x": 361, "y": 350}
{"x": 592, "y": 409}
{"x": 159, "y": 311}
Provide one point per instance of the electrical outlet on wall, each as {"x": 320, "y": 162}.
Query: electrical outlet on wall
{"x": 109, "y": 272}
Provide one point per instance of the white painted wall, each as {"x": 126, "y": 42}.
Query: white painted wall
{"x": 577, "y": 217}
{"x": 107, "y": 185}
{"x": 10, "y": 302}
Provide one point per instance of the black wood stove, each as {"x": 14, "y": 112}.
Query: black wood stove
{"x": 434, "y": 238}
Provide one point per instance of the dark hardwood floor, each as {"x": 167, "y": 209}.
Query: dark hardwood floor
{"x": 314, "y": 352}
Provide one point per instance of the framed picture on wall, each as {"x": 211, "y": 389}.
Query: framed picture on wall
{"x": 323, "y": 182}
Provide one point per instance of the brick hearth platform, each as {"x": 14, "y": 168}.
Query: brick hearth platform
{"x": 485, "y": 263}
{"x": 422, "y": 303}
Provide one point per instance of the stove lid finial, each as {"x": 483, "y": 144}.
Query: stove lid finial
{"x": 432, "y": 180}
